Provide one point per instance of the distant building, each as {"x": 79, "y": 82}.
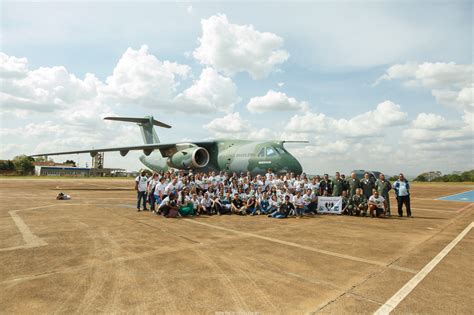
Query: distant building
{"x": 61, "y": 170}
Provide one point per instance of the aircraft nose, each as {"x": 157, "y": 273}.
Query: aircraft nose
{"x": 298, "y": 169}
{"x": 290, "y": 164}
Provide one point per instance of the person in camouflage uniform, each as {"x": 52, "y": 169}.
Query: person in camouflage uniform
{"x": 383, "y": 186}
{"x": 345, "y": 203}
{"x": 367, "y": 185}
{"x": 353, "y": 184}
{"x": 337, "y": 185}
{"x": 358, "y": 204}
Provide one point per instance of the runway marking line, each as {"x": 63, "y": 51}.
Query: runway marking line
{"x": 441, "y": 197}
{"x": 434, "y": 210}
{"x": 401, "y": 294}
{"x": 464, "y": 208}
{"x": 321, "y": 251}
{"x": 30, "y": 239}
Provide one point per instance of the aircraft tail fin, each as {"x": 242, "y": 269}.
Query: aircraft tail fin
{"x": 146, "y": 126}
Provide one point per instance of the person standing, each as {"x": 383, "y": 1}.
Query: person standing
{"x": 402, "y": 192}
{"x": 326, "y": 186}
{"x": 367, "y": 185}
{"x": 337, "y": 185}
{"x": 141, "y": 187}
{"x": 353, "y": 184}
{"x": 345, "y": 183}
{"x": 383, "y": 186}
{"x": 151, "y": 184}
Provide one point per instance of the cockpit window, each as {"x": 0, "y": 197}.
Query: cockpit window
{"x": 271, "y": 151}
{"x": 279, "y": 150}
{"x": 261, "y": 153}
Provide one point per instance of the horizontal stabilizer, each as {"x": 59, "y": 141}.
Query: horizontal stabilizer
{"x": 140, "y": 121}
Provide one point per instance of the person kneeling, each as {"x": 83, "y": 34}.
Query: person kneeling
{"x": 284, "y": 209}
{"x": 357, "y": 204}
{"x": 168, "y": 207}
{"x": 377, "y": 204}
{"x": 237, "y": 205}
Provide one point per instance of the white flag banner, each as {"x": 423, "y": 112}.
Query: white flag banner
{"x": 330, "y": 205}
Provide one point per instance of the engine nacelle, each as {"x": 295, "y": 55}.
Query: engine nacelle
{"x": 194, "y": 157}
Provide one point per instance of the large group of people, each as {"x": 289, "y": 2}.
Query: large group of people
{"x": 173, "y": 194}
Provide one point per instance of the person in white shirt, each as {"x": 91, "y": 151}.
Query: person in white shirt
{"x": 298, "y": 202}
{"x": 141, "y": 187}
{"x": 196, "y": 203}
{"x": 151, "y": 184}
{"x": 310, "y": 201}
{"x": 402, "y": 192}
{"x": 269, "y": 174}
{"x": 377, "y": 204}
{"x": 171, "y": 187}
{"x": 168, "y": 204}
{"x": 274, "y": 204}
{"x": 206, "y": 204}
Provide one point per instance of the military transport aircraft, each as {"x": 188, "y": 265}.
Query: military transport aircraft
{"x": 218, "y": 155}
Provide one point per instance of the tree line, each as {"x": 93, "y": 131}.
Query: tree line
{"x": 467, "y": 176}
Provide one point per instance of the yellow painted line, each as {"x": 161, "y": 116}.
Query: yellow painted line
{"x": 321, "y": 251}
{"x": 410, "y": 285}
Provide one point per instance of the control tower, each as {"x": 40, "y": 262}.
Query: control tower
{"x": 98, "y": 160}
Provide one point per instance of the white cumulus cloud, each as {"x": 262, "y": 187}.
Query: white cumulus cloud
{"x": 139, "y": 77}
{"x": 230, "y": 123}
{"x": 47, "y": 89}
{"x": 275, "y": 101}
{"x": 450, "y": 83}
{"x": 372, "y": 123}
{"x": 233, "y": 48}
{"x": 430, "y": 122}
{"x": 12, "y": 67}
{"x": 369, "y": 124}
{"x": 210, "y": 93}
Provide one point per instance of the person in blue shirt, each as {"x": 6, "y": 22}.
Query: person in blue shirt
{"x": 402, "y": 192}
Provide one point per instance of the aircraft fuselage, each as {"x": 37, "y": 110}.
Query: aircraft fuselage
{"x": 238, "y": 156}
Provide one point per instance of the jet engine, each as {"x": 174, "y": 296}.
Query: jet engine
{"x": 193, "y": 157}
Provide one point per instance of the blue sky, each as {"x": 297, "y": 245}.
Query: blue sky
{"x": 335, "y": 52}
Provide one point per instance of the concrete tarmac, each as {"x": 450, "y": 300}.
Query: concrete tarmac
{"x": 96, "y": 254}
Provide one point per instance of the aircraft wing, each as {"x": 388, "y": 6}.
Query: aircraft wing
{"x": 166, "y": 149}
